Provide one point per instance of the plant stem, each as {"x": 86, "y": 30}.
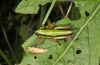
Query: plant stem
{"x": 43, "y": 12}
{"x": 5, "y": 57}
{"x": 48, "y": 13}
{"x": 8, "y": 44}
{"x": 77, "y": 34}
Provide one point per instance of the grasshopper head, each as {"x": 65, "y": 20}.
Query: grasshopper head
{"x": 37, "y": 32}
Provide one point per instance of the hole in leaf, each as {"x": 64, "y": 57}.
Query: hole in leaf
{"x": 35, "y": 57}
{"x": 50, "y": 57}
{"x": 86, "y": 13}
{"x": 78, "y": 51}
{"x": 74, "y": 13}
{"x": 40, "y": 5}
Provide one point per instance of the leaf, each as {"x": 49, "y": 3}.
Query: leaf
{"x": 85, "y": 49}
{"x": 65, "y": 21}
{"x": 30, "y": 6}
{"x": 87, "y": 56}
{"x": 89, "y": 38}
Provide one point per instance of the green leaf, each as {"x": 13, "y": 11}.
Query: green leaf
{"x": 84, "y": 49}
{"x": 86, "y": 38}
{"x": 65, "y": 21}
{"x": 30, "y": 6}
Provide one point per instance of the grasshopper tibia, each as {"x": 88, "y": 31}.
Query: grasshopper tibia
{"x": 64, "y": 27}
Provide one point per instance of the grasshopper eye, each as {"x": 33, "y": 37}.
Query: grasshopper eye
{"x": 50, "y": 57}
{"x": 36, "y": 32}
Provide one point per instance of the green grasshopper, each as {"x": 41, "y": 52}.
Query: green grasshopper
{"x": 56, "y": 33}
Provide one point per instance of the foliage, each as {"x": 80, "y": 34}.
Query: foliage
{"x": 82, "y": 52}
{"x": 83, "y": 49}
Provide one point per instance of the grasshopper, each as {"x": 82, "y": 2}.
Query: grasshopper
{"x": 56, "y": 33}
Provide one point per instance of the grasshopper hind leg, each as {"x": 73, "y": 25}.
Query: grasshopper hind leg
{"x": 63, "y": 27}
{"x": 39, "y": 41}
{"x": 55, "y": 40}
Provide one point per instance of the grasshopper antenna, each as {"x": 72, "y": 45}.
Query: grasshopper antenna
{"x": 27, "y": 27}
